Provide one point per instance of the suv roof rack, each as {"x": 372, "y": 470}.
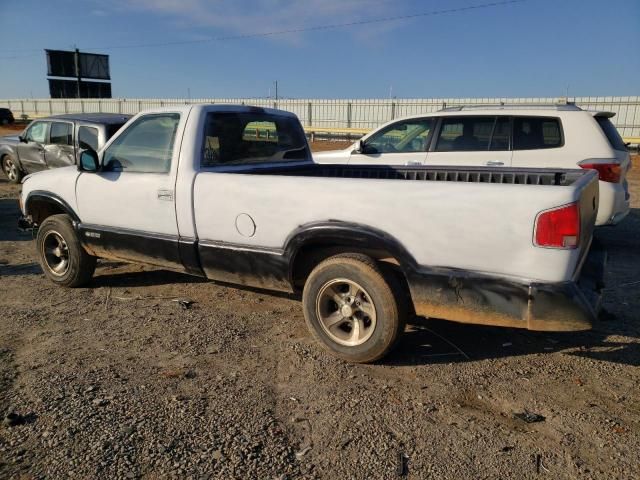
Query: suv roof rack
{"x": 562, "y": 105}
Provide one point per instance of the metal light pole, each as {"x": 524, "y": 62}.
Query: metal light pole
{"x": 78, "y": 77}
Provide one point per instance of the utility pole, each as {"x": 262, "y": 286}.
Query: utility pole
{"x": 276, "y": 82}
{"x": 79, "y": 78}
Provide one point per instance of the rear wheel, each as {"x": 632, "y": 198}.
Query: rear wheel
{"x": 352, "y": 308}
{"x": 11, "y": 170}
{"x": 61, "y": 256}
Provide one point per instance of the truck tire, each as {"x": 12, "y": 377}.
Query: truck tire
{"x": 62, "y": 258}
{"x": 11, "y": 170}
{"x": 354, "y": 311}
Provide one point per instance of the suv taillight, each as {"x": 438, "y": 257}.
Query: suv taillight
{"x": 607, "y": 171}
{"x": 559, "y": 227}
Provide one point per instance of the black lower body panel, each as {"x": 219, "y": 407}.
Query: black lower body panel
{"x": 268, "y": 269}
{"x": 468, "y": 298}
{"x": 134, "y": 246}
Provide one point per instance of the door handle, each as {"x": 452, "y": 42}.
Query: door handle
{"x": 166, "y": 195}
{"x": 495, "y": 163}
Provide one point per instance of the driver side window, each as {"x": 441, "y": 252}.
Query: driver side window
{"x": 37, "y": 132}
{"x": 145, "y": 147}
{"x": 407, "y": 136}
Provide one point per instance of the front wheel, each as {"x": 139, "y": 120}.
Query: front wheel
{"x": 352, "y": 309}
{"x": 63, "y": 260}
{"x": 11, "y": 170}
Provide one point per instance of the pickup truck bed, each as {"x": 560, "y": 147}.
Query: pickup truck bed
{"x": 495, "y": 246}
{"x": 444, "y": 279}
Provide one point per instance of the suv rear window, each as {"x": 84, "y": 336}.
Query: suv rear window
{"x": 459, "y": 134}
{"x": 612, "y": 133}
{"x": 250, "y": 138}
{"x": 532, "y": 133}
{"x": 474, "y": 133}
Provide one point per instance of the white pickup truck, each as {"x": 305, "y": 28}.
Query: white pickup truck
{"x": 230, "y": 193}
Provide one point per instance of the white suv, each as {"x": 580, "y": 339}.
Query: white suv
{"x": 513, "y": 136}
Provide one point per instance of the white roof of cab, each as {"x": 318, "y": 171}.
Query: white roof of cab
{"x": 226, "y": 108}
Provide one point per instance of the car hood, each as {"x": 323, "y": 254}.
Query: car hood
{"x": 13, "y": 139}
{"x": 332, "y": 156}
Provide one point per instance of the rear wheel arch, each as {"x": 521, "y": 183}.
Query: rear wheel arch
{"x": 311, "y": 244}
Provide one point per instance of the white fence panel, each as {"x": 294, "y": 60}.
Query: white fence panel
{"x": 327, "y": 113}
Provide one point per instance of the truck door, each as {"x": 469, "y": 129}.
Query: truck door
{"x": 472, "y": 141}
{"x": 128, "y": 207}
{"x": 401, "y": 143}
{"x": 31, "y": 151}
{"x": 59, "y": 151}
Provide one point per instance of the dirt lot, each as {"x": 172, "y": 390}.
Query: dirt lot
{"x": 118, "y": 381}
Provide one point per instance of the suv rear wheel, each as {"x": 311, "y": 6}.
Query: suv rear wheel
{"x": 354, "y": 310}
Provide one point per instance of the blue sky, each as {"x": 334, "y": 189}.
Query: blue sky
{"x": 532, "y": 48}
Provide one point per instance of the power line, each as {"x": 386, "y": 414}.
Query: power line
{"x": 313, "y": 28}
{"x": 310, "y": 29}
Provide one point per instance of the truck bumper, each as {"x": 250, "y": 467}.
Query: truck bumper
{"x": 468, "y": 298}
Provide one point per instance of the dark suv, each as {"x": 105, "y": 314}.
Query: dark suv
{"x": 6, "y": 117}
{"x": 56, "y": 141}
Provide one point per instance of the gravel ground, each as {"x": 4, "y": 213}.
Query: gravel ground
{"x": 119, "y": 381}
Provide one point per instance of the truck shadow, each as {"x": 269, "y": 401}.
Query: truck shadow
{"x": 22, "y": 269}
{"x": 147, "y": 278}
{"x": 431, "y": 341}
{"x": 9, "y": 213}
{"x": 144, "y": 278}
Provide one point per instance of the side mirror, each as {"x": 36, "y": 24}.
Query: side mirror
{"x": 88, "y": 161}
{"x": 22, "y": 139}
{"x": 358, "y": 147}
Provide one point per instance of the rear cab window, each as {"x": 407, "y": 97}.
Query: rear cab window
{"x": 61, "y": 133}
{"x": 112, "y": 129}
{"x": 534, "y": 133}
{"x": 232, "y": 138}
{"x": 611, "y": 132}
{"x": 88, "y": 138}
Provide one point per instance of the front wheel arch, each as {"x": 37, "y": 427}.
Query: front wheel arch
{"x": 41, "y": 205}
